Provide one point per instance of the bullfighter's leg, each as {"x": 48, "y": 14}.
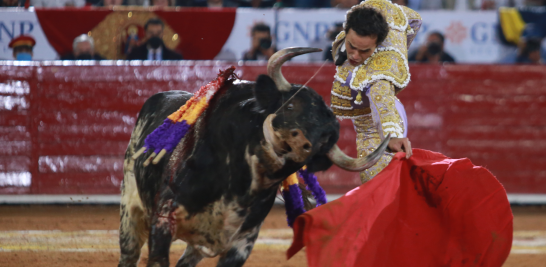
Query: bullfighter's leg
{"x": 236, "y": 256}
{"x": 190, "y": 258}
{"x": 133, "y": 229}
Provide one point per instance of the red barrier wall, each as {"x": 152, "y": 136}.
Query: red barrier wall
{"x": 64, "y": 128}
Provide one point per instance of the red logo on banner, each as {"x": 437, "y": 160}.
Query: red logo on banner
{"x": 456, "y": 32}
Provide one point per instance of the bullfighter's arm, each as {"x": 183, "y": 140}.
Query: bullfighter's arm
{"x": 371, "y": 129}
{"x": 384, "y": 111}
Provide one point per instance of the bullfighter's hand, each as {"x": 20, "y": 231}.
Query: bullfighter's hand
{"x": 400, "y": 145}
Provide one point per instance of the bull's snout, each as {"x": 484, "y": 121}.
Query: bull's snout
{"x": 288, "y": 143}
{"x": 297, "y": 148}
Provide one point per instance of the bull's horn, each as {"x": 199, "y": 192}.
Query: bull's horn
{"x": 269, "y": 134}
{"x": 276, "y": 60}
{"x": 359, "y": 164}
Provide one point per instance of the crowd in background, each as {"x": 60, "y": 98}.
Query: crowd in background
{"x": 414, "y": 4}
{"x": 83, "y": 47}
{"x": 529, "y": 49}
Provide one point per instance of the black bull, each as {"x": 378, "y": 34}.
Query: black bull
{"x": 216, "y": 188}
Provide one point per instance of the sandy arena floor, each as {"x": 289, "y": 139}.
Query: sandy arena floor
{"x": 87, "y": 236}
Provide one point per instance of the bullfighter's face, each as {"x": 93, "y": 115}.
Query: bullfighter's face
{"x": 359, "y": 48}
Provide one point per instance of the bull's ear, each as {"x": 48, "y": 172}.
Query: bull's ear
{"x": 266, "y": 92}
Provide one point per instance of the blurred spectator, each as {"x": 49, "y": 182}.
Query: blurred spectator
{"x": 487, "y": 5}
{"x": 153, "y": 48}
{"x": 261, "y": 46}
{"x": 22, "y": 47}
{"x": 530, "y": 52}
{"x": 214, "y": 3}
{"x": 344, "y": 4}
{"x": 332, "y": 33}
{"x": 83, "y": 48}
{"x": 521, "y": 53}
{"x": 432, "y": 51}
{"x": 495, "y": 4}
{"x": 137, "y": 2}
{"x": 10, "y": 3}
{"x": 431, "y": 4}
{"x": 57, "y": 3}
{"x": 414, "y": 4}
{"x": 400, "y": 2}
{"x": 162, "y": 3}
{"x": 256, "y": 3}
{"x": 281, "y": 4}
{"x": 93, "y": 2}
{"x": 467, "y": 4}
{"x": 535, "y": 2}
{"x": 184, "y": 2}
{"x": 110, "y": 3}
{"x": 491, "y": 4}
{"x": 308, "y": 3}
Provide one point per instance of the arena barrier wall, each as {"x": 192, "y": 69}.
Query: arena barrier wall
{"x": 64, "y": 126}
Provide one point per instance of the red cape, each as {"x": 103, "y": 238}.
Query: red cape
{"x": 429, "y": 210}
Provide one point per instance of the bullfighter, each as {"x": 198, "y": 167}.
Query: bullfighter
{"x": 371, "y": 69}
{"x": 427, "y": 210}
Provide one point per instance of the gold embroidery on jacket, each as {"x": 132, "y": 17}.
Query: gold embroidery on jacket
{"x": 384, "y": 101}
{"x": 367, "y": 140}
{"x": 382, "y": 76}
{"x": 392, "y": 13}
{"x": 340, "y": 89}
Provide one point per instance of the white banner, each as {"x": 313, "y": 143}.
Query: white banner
{"x": 307, "y": 27}
{"x": 17, "y": 21}
{"x": 240, "y": 38}
{"x": 470, "y": 37}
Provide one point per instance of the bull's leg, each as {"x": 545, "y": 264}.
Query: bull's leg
{"x": 161, "y": 234}
{"x": 132, "y": 235}
{"x": 133, "y": 228}
{"x": 190, "y": 258}
{"x": 236, "y": 256}
{"x": 159, "y": 245}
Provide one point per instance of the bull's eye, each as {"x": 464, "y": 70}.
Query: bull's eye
{"x": 290, "y": 106}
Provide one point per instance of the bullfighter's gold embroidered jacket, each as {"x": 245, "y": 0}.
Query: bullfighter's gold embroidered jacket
{"x": 366, "y": 94}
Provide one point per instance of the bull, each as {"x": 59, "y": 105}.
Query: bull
{"x": 217, "y": 186}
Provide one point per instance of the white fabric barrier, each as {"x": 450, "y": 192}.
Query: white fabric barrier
{"x": 17, "y": 21}
{"x": 470, "y": 36}
{"x": 515, "y": 199}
